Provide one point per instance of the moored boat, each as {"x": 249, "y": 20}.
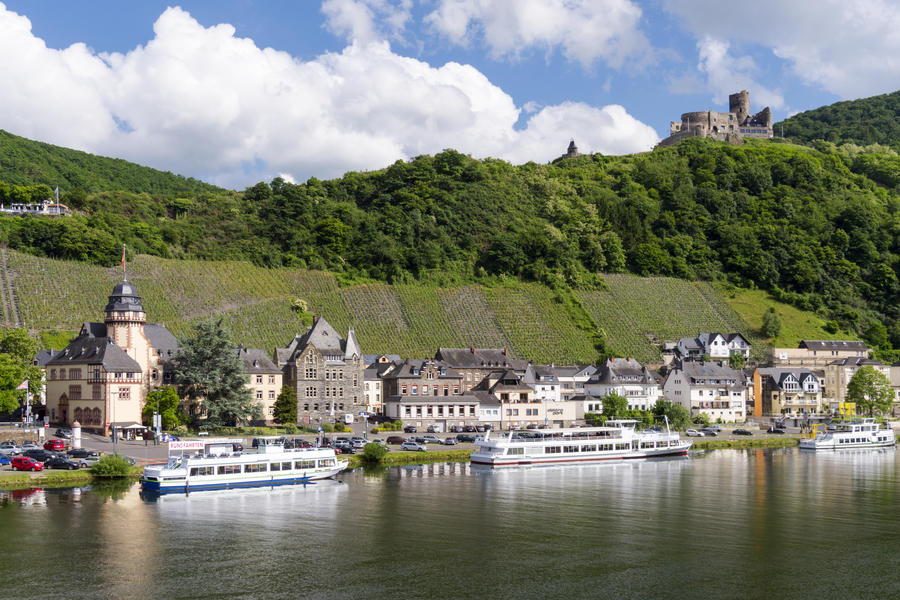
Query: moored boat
{"x": 859, "y": 433}
{"x": 211, "y": 464}
{"x": 619, "y": 439}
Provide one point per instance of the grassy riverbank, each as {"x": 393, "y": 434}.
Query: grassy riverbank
{"x": 749, "y": 442}
{"x": 55, "y": 479}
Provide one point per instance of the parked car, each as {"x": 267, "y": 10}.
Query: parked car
{"x": 456, "y": 429}
{"x": 709, "y": 432}
{"x": 29, "y": 446}
{"x": 742, "y": 432}
{"x": 395, "y": 439}
{"x": 410, "y": 429}
{"x": 39, "y": 455}
{"x": 693, "y": 433}
{"x": 450, "y": 441}
{"x": 88, "y": 461}
{"x": 655, "y": 428}
{"x": 357, "y": 443}
{"x": 5, "y": 460}
{"x": 168, "y": 437}
{"x": 470, "y": 428}
{"x": 429, "y": 439}
{"x": 775, "y": 430}
{"x": 413, "y": 446}
{"x": 64, "y": 432}
{"x": 55, "y": 445}
{"x": 60, "y": 462}
{"x": 81, "y": 453}
{"x": 462, "y": 437}
{"x": 9, "y": 449}
{"x": 715, "y": 428}
{"x": 25, "y": 463}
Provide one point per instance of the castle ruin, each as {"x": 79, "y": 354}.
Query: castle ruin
{"x": 732, "y": 126}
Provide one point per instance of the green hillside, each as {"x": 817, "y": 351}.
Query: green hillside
{"x": 26, "y": 162}
{"x": 406, "y": 319}
{"x": 874, "y": 120}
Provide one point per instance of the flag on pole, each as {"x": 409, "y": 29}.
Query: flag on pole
{"x": 23, "y": 385}
{"x": 56, "y": 194}
{"x": 123, "y": 261}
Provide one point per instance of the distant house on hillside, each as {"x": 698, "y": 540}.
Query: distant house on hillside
{"x": 717, "y": 346}
{"x": 817, "y": 353}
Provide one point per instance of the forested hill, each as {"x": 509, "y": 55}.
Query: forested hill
{"x": 25, "y": 162}
{"x": 874, "y": 120}
{"x": 817, "y": 227}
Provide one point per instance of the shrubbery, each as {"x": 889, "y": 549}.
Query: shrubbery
{"x": 111, "y": 465}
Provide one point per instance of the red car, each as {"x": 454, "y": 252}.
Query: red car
{"x": 54, "y": 445}
{"x": 23, "y": 463}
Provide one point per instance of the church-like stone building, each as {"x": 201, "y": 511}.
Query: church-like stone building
{"x": 326, "y": 371}
{"x": 101, "y": 379}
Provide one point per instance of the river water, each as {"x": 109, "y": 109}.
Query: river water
{"x": 775, "y": 523}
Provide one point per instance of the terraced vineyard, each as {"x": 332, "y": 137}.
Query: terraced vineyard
{"x": 637, "y": 313}
{"x": 409, "y": 320}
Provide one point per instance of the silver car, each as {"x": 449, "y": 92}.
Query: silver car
{"x": 413, "y": 446}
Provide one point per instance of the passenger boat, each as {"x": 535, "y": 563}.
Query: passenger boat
{"x": 860, "y": 433}
{"x": 617, "y": 440}
{"x": 211, "y": 465}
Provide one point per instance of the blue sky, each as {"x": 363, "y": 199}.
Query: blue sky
{"x": 239, "y": 91}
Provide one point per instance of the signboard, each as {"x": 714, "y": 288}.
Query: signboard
{"x": 187, "y": 445}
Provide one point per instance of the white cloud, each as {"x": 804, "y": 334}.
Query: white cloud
{"x": 726, "y": 74}
{"x": 851, "y": 49}
{"x": 199, "y": 101}
{"x": 366, "y": 21}
{"x": 585, "y": 30}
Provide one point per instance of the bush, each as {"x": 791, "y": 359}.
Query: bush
{"x": 701, "y": 419}
{"x": 290, "y": 430}
{"x": 373, "y": 453}
{"x": 339, "y": 427}
{"x": 111, "y": 465}
{"x": 327, "y": 428}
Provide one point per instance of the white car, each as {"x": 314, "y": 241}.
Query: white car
{"x": 694, "y": 433}
{"x": 413, "y": 446}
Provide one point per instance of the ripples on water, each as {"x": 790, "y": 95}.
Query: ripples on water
{"x": 718, "y": 524}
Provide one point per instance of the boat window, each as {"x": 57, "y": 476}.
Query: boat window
{"x": 515, "y": 450}
{"x": 286, "y": 466}
{"x": 589, "y": 448}
{"x": 570, "y": 448}
{"x": 275, "y": 467}
{"x": 305, "y": 464}
{"x": 255, "y": 468}
{"x": 552, "y": 450}
{"x": 229, "y": 469}
{"x": 202, "y": 471}
{"x": 326, "y": 462}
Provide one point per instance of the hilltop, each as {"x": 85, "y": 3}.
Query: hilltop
{"x": 866, "y": 121}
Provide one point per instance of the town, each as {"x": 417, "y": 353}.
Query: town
{"x": 101, "y": 380}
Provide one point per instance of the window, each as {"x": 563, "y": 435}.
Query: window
{"x": 96, "y": 392}
{"x": 306, "y": 407}
{"x": 124, "y": 393}
{"x": 310, "y": 392}
{"x": 96, "y": 416}
{"x": 78, "y": 416}
{"x": 255, "y": 468}
{"x": 271, "y": 379}
{"x": 403, "y": 390}
{"x": 271, "y": 394}
{"x": 259, "y": 395}
{"x": 74, "y": 392}
{"x": 229, "y": 469}
{"x": 415, "y": 389}
{"x": 259, "y": 379}
{"x": 310, "y": 373}
{"x": 424, "y": 390}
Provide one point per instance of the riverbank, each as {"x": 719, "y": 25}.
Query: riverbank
{"x": 748, "y": 442}
{"x": 56, "y": 479}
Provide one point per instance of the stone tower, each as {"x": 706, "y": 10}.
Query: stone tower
{"x": 739, "y": 104}
{"x": 125, "y": 316}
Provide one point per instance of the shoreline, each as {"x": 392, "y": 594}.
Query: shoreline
{"x": 61, "y": 479}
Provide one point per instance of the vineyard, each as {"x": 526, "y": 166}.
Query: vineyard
{"x": 255, "y": 303}
{"x": 637, "y": 313}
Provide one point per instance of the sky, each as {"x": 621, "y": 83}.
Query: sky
{"x": 234, "y": 92}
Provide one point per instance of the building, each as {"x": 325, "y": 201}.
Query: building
{"x": 421, "y": 377}
{"x": 627, "y": 378}
{"x": 519, "y": 406}
{"x": 441, "y": 412}
{"x": 326, "y": 372}
{"x": 838, "y": 374}
{"x": 817, "y": 353}
{"x": 787, "y": 391}
{"x": 473, "y": 364}
{"x": 709, "y": 388}
{"x": 264, "y": 379}
{"x": 716, "y": 346}
{"x": 101, "y": 379}
{"x": 572, "y": 380}
{"x": 542, "y": 379}
{"x": 731, "y": 126}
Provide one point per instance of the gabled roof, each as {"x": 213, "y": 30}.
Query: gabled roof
{"x": 43, "y": 356}
{"x": 857, "y": 361}
{"x": 369, "y": 359}
{"x": 93, "y": 329}
{"x": 256, "y": 361}
{"x": 845, "y": 345}
{"x": 161, "y": 338}
{"x": 478, "y": 358}
{"x": 321, "y": 336}
{"x": 622, "y": 370}
{"x": 709, "y": 370}
{"x": 89, "y": 350}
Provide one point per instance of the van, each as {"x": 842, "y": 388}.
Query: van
{"x": 348, "y": 419}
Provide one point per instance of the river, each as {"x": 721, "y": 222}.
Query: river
{"x": 774, "y": 523}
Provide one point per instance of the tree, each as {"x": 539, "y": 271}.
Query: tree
{"x": 208, "y": 371}
{"x": 166, "y": 401}
{"x": 17, "y": 351}
{"x": 870, "y": 390}
{"x": 285, "y": 408}
{"x": 679, "y": 417}
{"x": 736, "y": 361}
{"x": 614, "y": 406}
{"x": 771, "y": 326}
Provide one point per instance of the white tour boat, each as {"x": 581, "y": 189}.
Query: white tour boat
{"x": 617, "y": 440}
{"x": 212, "y": 465}
{"x": 861, "y": 433}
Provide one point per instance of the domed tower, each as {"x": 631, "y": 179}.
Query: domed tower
{"x": 125, "y": 318}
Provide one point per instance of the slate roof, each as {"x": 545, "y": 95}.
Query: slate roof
{"x": 622, "y": 370}
{"x": 256, "y": 361}
{"x": 161, "y": 339}
{"x": 124, "y": 297}
{"x": 93, "y": 329}
{"x": 370, "y": 359}
{"x": 857, "y": 361}
{"x": 845, "y": 345}
{"x": 778, "y": 374}
{"x": 407, "y": 368}
{"x": 43, "y": 356}
{"x": 89, "y": 350}
{"x": 324, "y": 338}
{"x": 478, "y": 358}
{"x": 710, "y": 370}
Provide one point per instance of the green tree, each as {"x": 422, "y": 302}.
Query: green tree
{"x": 17, "y": 351}
{"x": 736, "y": 361}
{"x": 209, "y": 373}
{"x": 373, "y": 452}
{"x": 679, "y": 417}
{"x": 771, "y": 326}
{"x": 614, "y": 406}
{"x": 870, "y": 390}
{"x": 111, "y": 466}
{"x": 284, "y": 410}
{"x": 166, "y": 401}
